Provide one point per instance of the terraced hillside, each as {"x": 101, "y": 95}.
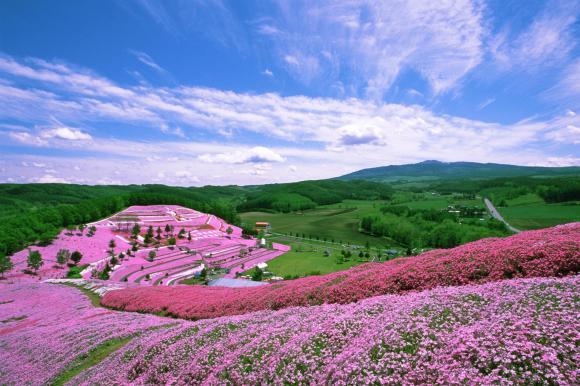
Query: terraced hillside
{"x": 148, "y": 245}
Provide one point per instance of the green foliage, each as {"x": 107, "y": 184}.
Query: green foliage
{"x": 136, "y": 230}
{"x": 34, "y": 260}
{"x": 257, "y": 274}
{"x": 32, "y": 213}
{"x": 305, "y": 195}
{"x": 5, "y": 264}
{"x": 62, "y": 256}
{"x": 76, "y": 257}
{"x": 74, "y": 272}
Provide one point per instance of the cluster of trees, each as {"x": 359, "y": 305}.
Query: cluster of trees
{"x": 309, "y": 194}
{"x": 419, "y": 228}
{"x": 41, "y": 223}
{"x": 35, "y": 261}
{"x": 552, "y": 190}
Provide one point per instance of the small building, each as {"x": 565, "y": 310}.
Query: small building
{"x": 262, "y": 226}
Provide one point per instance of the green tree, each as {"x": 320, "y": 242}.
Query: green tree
{"x": 34, "y": 260}
{"x": 172, "y": 241}
{"x": 158, "y": 233}
{"x": 135, "y": 231}
{"x": 181, "y": 234}
{"x": 5, "y": 264}
{"x": 258, "y": 274}
{"x": 150, "y": 232}
{"x": 188, "y": 236}
{"x": 152, "y": 255}
{"x": 82, "y": 228}
{"x": 76, "y": 257}
{"x": 62, "y": 256}
{"x": 229, "y": 231}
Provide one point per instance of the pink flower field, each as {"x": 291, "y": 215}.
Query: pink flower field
{"x": 210, "y": 244}
{"x": 518, "y": 331}
{"x": 45, "y": 327}
{"x": 542, "y": 253}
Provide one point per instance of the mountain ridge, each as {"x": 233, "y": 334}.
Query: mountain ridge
{"x": 452, "y": 170}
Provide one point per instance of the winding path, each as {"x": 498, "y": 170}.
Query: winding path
{"x": 498, "y": 216}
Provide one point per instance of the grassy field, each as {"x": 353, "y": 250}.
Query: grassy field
{"x": 540, "y": 215}
{"x": 307, "y": 258}
{"x": 339, "y": 222}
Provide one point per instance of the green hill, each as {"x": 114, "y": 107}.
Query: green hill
{"x": 435, "y": 170}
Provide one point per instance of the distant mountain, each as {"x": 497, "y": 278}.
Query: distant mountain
{"x": 434, "y": 170}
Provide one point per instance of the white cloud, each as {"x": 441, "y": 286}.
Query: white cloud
{"x": 268, "y": 72}
{"x": 362, "y": 133}
{"x": 376, "y": 40}
{"x": 186, "y": 175}
{"x": 547, "y": 40}
{"x": 148, "y": 61}
{"x": 50, "y": 179}
{"x": 297, "y": 128}
{"x": 267, "y": 29}
{"x": 568, "y": 87}
{"x": 66, "y": 133}
{"x": 258, "y": 154}
{"x": 485, "y": 103}
{"x": 26, "y": 138}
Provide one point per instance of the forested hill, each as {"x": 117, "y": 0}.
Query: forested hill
{"x": 455, "y": 170}
{"x": 37, "y": 212}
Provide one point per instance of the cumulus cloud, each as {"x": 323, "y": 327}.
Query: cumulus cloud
{"x": 258, "y": 154}
{"x": 66, "y": 133}
{"x": 362, "y": 133}
{"x": 297, "y": 128}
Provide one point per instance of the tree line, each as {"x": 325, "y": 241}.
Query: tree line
{"x": 41, "y": 225}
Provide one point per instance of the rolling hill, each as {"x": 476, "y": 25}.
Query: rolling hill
{"x": 434, "y": 170}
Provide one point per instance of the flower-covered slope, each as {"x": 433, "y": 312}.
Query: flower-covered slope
{"x": 498, "y": 333}
{"x": 543, "y": 253}
{"x": 45, "y": 327}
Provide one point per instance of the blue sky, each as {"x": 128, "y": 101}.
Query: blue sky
{"x": 244, "y": 92}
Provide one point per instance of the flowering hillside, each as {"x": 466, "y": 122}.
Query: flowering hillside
{"x": 548, "y": 252}
{"x": 498, "y": 333}
{"x": 149, "y": 245}
{"x": 45, "y": 327}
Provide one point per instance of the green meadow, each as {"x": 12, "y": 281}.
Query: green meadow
{"x": 338, "y": 222}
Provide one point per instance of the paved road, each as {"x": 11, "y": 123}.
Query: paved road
{"x": 498, "y": 216}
